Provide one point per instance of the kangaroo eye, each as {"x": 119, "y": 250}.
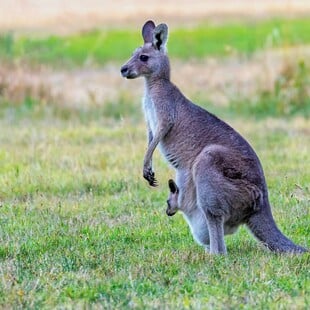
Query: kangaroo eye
{"x": 144, "y": 58}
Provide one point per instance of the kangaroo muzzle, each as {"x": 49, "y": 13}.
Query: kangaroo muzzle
{"x": 124, "y": 71}
{"x": 169, "y": 210}
{"x": 127, "y": 73}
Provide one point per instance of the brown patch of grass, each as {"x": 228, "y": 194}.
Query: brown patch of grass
{"x": 215, "y": 79}
{"x": 18, "y": 82}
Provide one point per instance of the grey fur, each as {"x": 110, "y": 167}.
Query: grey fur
{"x": 221, "y": 183}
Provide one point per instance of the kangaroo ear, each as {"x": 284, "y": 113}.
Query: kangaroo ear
{"x": 147, "y": 31}
{"x": 173, "y": 187}
{"x": 160, "y": 37}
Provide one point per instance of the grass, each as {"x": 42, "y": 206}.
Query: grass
{"x": 289, "y": 96}
{"x": 79, "y": 227}
{"x": 98, "y": 47}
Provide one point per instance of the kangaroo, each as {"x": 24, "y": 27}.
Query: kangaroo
{"x": 220, "y": 180}
{"x": 195, "y": 217}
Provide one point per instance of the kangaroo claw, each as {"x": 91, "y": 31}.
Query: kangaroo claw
{"x": 149, "y": 175}
{"x": 153, "y": 182}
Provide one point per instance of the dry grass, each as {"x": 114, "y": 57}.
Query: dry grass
{"x": 219, "y": 80}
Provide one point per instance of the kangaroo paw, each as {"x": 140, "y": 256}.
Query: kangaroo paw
{"x": 149, "y": 175}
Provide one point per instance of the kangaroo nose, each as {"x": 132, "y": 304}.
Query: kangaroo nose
{"x": 124, "y": 70}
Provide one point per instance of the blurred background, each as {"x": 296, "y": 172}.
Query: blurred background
{"x": 242, "y": 55}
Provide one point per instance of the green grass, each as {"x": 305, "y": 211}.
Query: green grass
{"x": 79, "y": 227}
{"x": 98, "y": 47}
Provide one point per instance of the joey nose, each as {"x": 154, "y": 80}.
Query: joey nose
{"x": 124, "y": 71}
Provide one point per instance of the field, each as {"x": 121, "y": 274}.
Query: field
{"x": 80, "y": 228}
{"x": 101, "y": 46}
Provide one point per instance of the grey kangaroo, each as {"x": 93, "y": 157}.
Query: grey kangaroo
{"x": 220, "y": 181}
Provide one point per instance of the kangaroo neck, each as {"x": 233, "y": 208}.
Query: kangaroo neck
{"x": 155, "y": 82}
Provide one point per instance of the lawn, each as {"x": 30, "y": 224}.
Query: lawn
{"x": 80, "y": 227}
{"x": 100, "y": 46}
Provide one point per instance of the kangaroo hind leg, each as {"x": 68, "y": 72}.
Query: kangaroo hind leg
{"x": 210, "y": 201}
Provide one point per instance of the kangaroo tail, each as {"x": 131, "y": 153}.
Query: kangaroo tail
{"x": 265, "y": 230}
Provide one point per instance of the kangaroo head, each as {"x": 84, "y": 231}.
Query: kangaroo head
{"x": 151, "y": 59}
{"x": 172, "y": 201}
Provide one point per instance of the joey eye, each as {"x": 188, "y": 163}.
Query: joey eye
{"x": 144, "y": 58}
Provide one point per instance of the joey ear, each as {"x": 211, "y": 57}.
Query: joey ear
{"x": 160, "y": 37}
{"x": 173, "y": 187}
{"x": 147, "y": 31}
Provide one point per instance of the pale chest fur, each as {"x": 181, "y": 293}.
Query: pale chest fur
{"x": 198, "y": 226}
{"x": 152, "y": 121}
{"x": 152, "y": 117}
{"x": 150, "y": 113}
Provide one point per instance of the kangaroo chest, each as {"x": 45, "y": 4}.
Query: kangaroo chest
{"x": 168, "y": 149}
{"x": 151, "y": 117}
{"x": 150, "y": 113}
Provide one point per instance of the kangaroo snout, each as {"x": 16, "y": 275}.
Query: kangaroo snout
{"x": 124, "y": 71}
{"x": 170, "y": 211}
{"x": 127, "y": 73}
